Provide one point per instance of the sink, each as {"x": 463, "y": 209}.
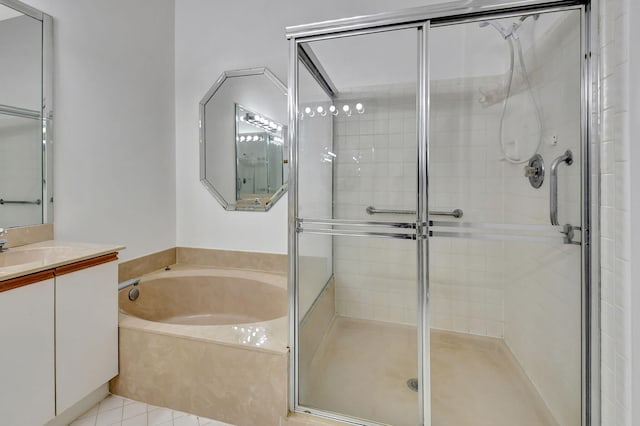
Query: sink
{"x": 17, "y": 257}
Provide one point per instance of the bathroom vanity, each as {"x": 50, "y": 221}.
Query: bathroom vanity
{"x": 59, "y": 316}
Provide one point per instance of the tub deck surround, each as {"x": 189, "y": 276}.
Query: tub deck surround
{"x": 274, "y": 332}
{"x": 225, "y": 259}
{"x": 235, "y": 371}
{"x": 48, "y": 255}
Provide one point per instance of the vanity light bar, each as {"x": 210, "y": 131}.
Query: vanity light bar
{"x": 262, "y": 122}
{"x": 333, "y": 110}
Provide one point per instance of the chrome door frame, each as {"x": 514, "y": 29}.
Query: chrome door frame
{"x": 423, "y": 18}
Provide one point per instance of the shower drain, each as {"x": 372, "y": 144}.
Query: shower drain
{"x": 413, "y": 384}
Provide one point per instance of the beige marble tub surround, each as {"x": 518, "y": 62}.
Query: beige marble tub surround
{"x": 23, "y": 235}
{"x": 51, "y": 254}
{"x": 233, "y": 384}
{"x": 208, "y": 297}
{"x": 268, "y": 262}
{"x": 139, "y": 266}
{"x": 274, "y": 331}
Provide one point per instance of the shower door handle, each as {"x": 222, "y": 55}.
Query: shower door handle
{"x": 567, "y": 157}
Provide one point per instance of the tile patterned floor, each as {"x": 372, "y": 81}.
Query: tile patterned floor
{"x": 115, "y": 410}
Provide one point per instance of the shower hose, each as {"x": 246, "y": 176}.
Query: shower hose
{"x": 511, "y": 39}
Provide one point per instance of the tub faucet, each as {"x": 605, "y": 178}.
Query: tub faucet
{"x": 3, "y": 241}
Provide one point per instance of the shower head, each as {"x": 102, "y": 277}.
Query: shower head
{"x": 504, "y": 31}
{"x": 510, "y": 30}
{"x": 523, "y": 17}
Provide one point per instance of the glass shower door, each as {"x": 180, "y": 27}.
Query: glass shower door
{"x": 357, "y": 242}
{"x": 505, "y": 148}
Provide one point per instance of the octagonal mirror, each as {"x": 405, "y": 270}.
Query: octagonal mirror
{"x": 243, "y": 148}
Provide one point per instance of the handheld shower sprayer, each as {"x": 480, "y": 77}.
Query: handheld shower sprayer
{"x": 510, "y": 34}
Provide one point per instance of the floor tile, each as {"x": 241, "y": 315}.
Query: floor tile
{"x": 158, "y": 416}
{"x": 177, "y": 414}
{"x": 110, "y": 402}
{"x": 91, "y": 413}
{"x": 119, "y": 411}
{"x": 140, "y": 420}
{"x": 133, "y": 410}
{"x": 86, "y": 421}
{"x": 109, "y": 417}
{"x": 188, "y": 420}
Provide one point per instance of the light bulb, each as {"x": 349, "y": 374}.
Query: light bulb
{"x": 359, "y": 108}
{"x": 333, "y": 110}
{"x": 345, "y": 108}
{"x": 309, "y": 112}
{"x": 279, "y": 128}
{"x": 321, "y": 110}
{"x": 241, "y": 138}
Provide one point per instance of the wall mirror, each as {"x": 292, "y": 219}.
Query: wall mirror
{"x": 26, "y": 190}
{"x": 243, "y": 148}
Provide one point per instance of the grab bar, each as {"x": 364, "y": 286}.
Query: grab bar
{"x": 567, "y": 157}
{"x": 128, "y": 283}
{"x": 2, "y": 202}
{"x": 454, "y": 213}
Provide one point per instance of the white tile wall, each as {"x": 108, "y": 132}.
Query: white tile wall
{"x": 528, "y": 293}
{"x": 543, "y": 281}
{"x": 615, "y": 190}
{"x": 467, "y": 282}
{"x": 375, "y": 165}
{"x": 615, "y": 225}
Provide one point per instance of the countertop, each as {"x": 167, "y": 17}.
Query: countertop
{"x": 45, "y": 255}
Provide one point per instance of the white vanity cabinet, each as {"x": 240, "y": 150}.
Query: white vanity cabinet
{"x": 27, "y": 353}
{"x": 86, "y": 330}
{"x": 58, "y": 339}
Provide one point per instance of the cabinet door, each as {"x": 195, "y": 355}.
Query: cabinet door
{"x": 86, "y": 332}
{"x": 26, "y": 355}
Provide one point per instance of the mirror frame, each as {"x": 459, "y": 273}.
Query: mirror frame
{"x": 202, "y": 128}
{"x": 46, "y": 112}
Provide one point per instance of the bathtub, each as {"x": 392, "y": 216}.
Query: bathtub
{"x": 212, "y": 342}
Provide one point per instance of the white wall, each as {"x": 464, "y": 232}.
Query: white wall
{"x": 114, "y": 122}
{"x": 617, "y": 289}
{"x": 212, "y": 37}
{"x": 634, "y": 207}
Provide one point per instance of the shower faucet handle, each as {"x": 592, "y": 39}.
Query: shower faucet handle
{"x": 529, "y": 171}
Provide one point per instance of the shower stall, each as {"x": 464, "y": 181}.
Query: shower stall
{"x": 440, "y": 216}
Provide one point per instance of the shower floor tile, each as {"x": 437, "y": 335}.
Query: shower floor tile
{"x": 362, "y": 367}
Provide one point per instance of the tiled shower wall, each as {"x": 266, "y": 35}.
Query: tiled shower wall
{"x": 615, "y": 218}
{"x": 521, "y": 291}
{"x": 375, "y": 165}
{"x": 543, "y": 280}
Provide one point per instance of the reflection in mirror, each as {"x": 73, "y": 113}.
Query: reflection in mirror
{"x": 25, "y": 116}
{"x": 259, "y": 157}
{"x": 243, "y": 139}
